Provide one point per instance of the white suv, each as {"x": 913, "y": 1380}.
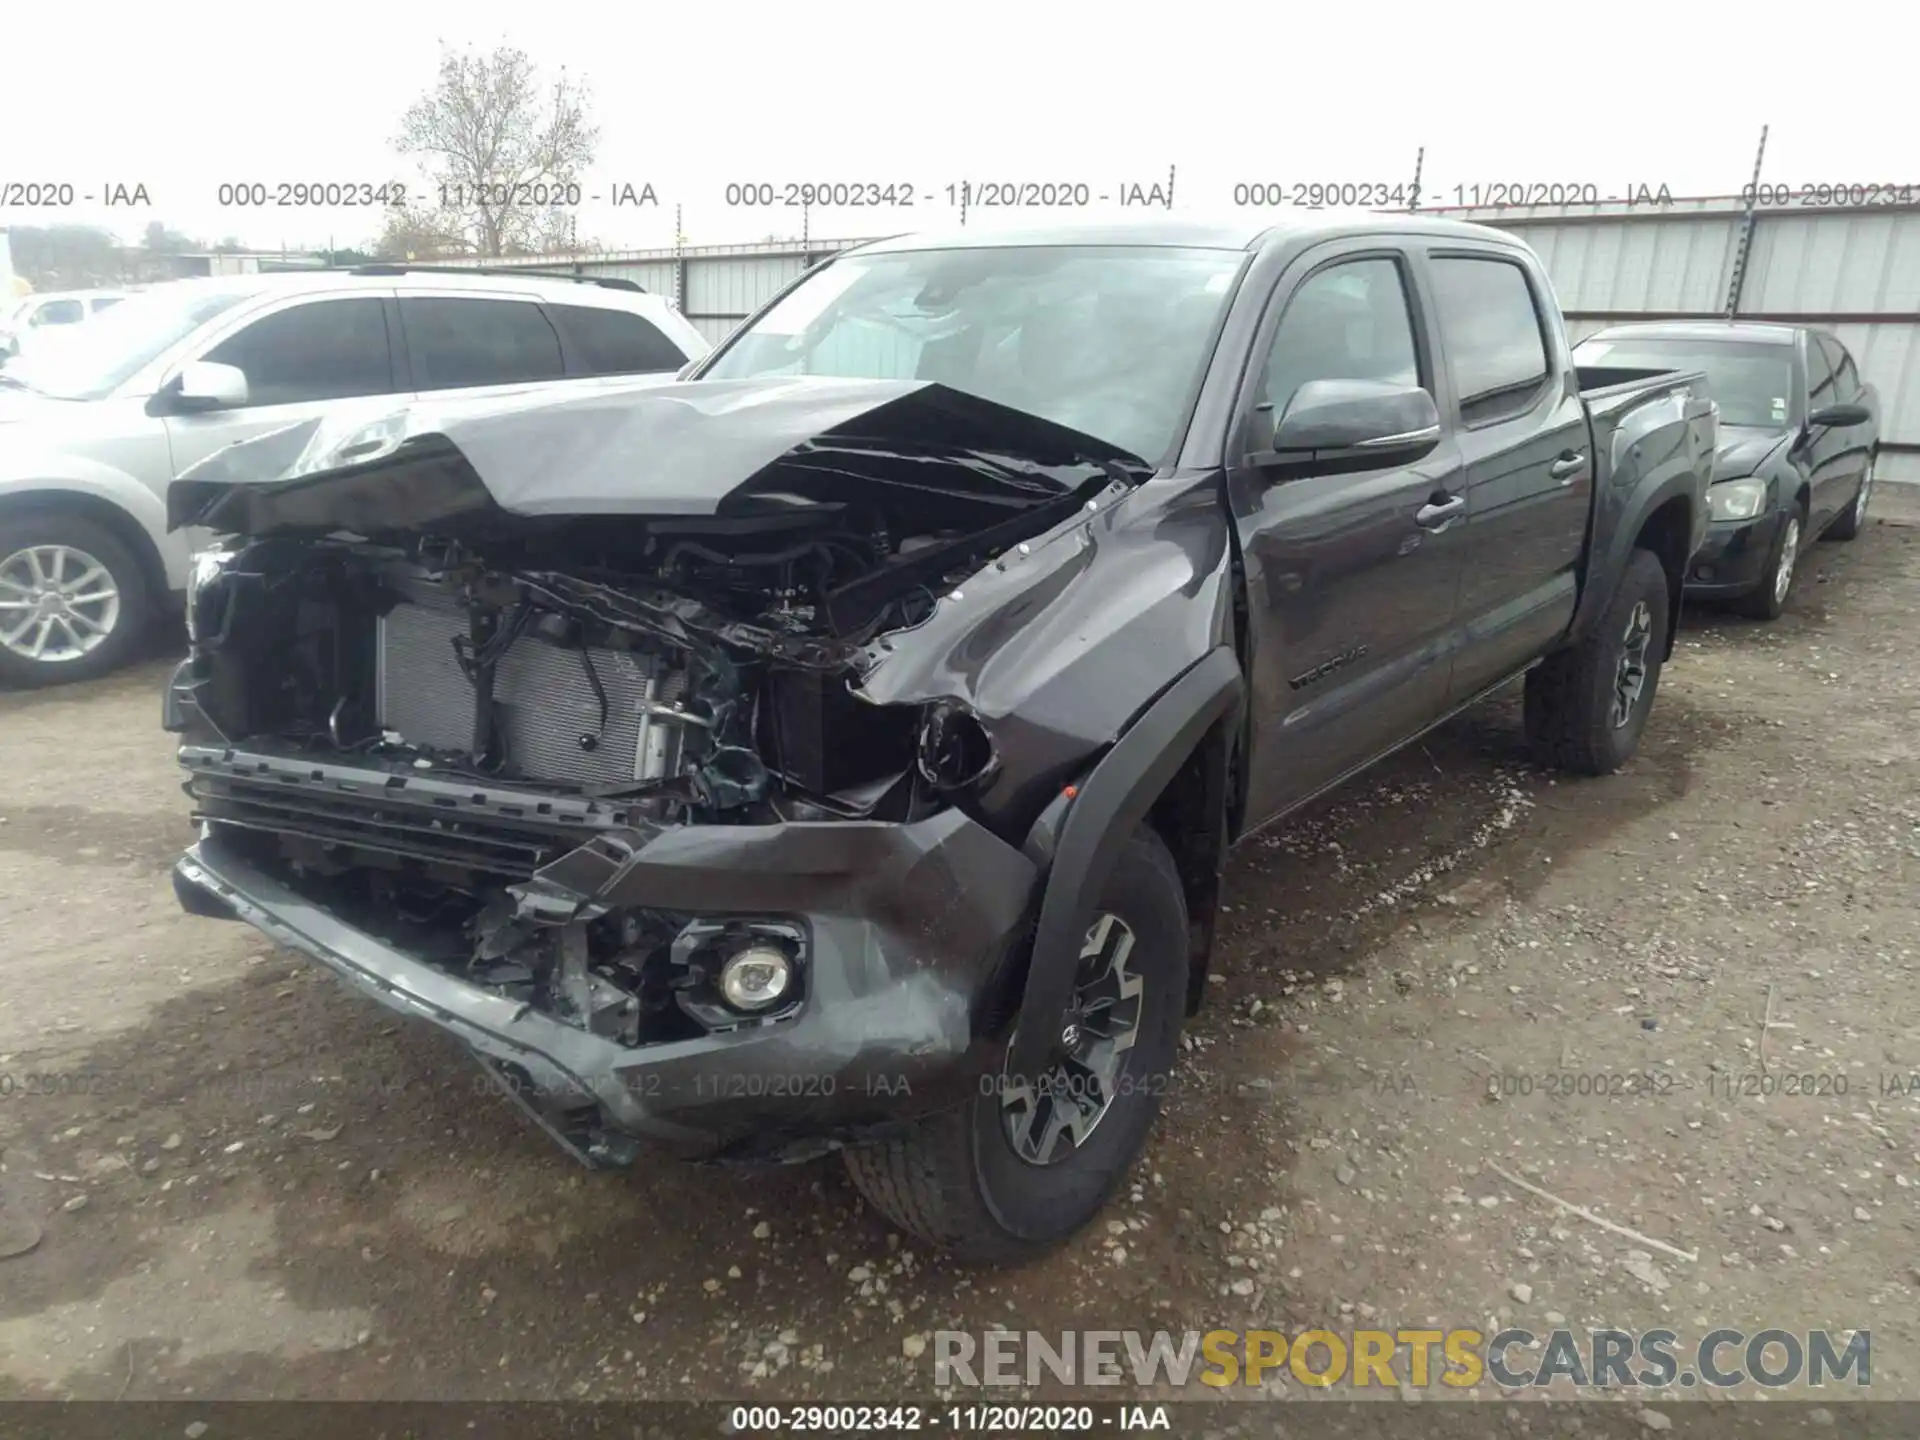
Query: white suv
{"x": 35, "y": 316}
{"x": 91, "y": 434}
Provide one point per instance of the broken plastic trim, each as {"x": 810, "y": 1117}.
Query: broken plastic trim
{"x": 955, "y": 749}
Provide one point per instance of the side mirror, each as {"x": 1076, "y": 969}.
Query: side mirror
{"x": 1333, "y": 425}
{"x": 205, "y": 385}
{"x": 1843, "y": 416}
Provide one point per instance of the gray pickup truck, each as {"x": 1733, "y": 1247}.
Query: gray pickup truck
{"x": 839, "y": 748}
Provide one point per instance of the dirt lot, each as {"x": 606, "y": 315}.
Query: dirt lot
{"x": 254, "y": 1185}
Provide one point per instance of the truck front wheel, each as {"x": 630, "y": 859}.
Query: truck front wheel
{"x": 1587, "y": 706}
{"x": 1023, "y": 1166}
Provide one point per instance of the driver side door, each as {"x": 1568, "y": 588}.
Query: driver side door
{"x": 1351, "y": 577}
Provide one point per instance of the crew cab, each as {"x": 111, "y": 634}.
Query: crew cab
{"x": 93, "y": 431}
{"x": 838, "y": 749}
{"x": 1799, "y": 434}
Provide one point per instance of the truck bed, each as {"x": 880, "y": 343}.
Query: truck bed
{"x": 1601, "y": 381}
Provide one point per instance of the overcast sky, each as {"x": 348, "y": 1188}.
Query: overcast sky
{"x": 691, "y": 97}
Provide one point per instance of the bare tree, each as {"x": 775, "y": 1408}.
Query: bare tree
{"x": 497, "y": 142}
{"x": 423, "y": 234}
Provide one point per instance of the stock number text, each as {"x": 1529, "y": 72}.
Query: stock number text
{"x": 1317, "y": 193}
{"x": 1765, "y": 194}
{"x": 854, "y": 194}
{"x": 295, "y": 194}
{"x": 1568, "y": 1084}
{"x": 53, "y": 1082}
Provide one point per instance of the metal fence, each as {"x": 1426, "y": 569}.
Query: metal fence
{"x": 1853, "y": 270}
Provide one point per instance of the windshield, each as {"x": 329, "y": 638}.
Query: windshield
{"x": 1752, "y": 384}
{"x": 1108, "y": 340}
{"x": 101, "y": 355}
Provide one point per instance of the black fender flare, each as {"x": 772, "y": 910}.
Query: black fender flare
{"x": 1084, "y": 835}
{"x": 1613, "y": 547}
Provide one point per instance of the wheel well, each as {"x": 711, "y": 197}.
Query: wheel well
{"x": 1668, "y": 532}
{"x": 104, "y": 513}
{"x": 1190, "y": 817}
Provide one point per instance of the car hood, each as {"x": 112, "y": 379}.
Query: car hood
{"x": 1741, "y": 449}
{"x": 701, "y": 447}
{"x": 17, "y": 406}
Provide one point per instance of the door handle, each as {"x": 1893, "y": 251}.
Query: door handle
{"x": 1438, "y": 513}
{"x": 1568, "y": 464}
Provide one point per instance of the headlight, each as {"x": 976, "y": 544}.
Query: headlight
{"x": 1737, "y": 499}
{"x": 201, "y": 569}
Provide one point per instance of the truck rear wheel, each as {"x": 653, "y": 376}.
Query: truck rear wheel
{"x": 73, "y": 600}
{"x": 1019, "y": 1169}
{"x": 1586, "y": 707}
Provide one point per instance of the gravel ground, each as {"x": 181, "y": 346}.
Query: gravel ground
{"x": 252, "y": 1184}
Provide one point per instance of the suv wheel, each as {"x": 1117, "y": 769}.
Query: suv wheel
{"x": 73, "y": 600}
{"x": 1021, "y": 1168}
{"x": 1586, "y": 707}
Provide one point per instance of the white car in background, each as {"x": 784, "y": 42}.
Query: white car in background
{"x": 34, "y": 317}
{"x": 92, "y": 432}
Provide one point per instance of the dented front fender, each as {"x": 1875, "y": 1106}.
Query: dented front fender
{"x": 1059, "y": 645}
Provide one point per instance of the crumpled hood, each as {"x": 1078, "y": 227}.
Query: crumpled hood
{"x": 684, "y": 448}
{"x": 1741, "y": 449}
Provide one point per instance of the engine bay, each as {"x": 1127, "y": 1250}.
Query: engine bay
{"x": 694, "y": 668}
{"x": 415, "y": 727}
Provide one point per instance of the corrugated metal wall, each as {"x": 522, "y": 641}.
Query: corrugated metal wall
{"x": 1853, "y": 271}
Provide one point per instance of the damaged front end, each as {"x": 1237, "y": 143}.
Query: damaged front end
{"x": 581, "y": 728}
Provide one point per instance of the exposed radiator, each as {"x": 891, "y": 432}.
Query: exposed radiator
{"x": 546, "y": 701}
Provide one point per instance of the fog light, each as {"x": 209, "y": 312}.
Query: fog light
{"x": 756, "y": 977}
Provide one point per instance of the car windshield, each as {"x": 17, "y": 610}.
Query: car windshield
{"x": 102, "y": 354}
{"x": 1752, "y": 384}
{"x": 1108, "y": 340}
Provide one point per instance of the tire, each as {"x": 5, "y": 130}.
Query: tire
{"x": 1571, "y": 717}
{"x": 956, "y": 1180}
{"x": 1854, "y": 518}
{"x": 97, "y": 636}
{"x": 1768, "y": 599}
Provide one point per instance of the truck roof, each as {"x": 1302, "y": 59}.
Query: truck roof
{"x": 1227, "y": 234}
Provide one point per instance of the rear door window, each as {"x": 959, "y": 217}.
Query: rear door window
{"x": 459, "y": 343}
{"x": 1495, "y": 341}
{"x": 600, "y": 341}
